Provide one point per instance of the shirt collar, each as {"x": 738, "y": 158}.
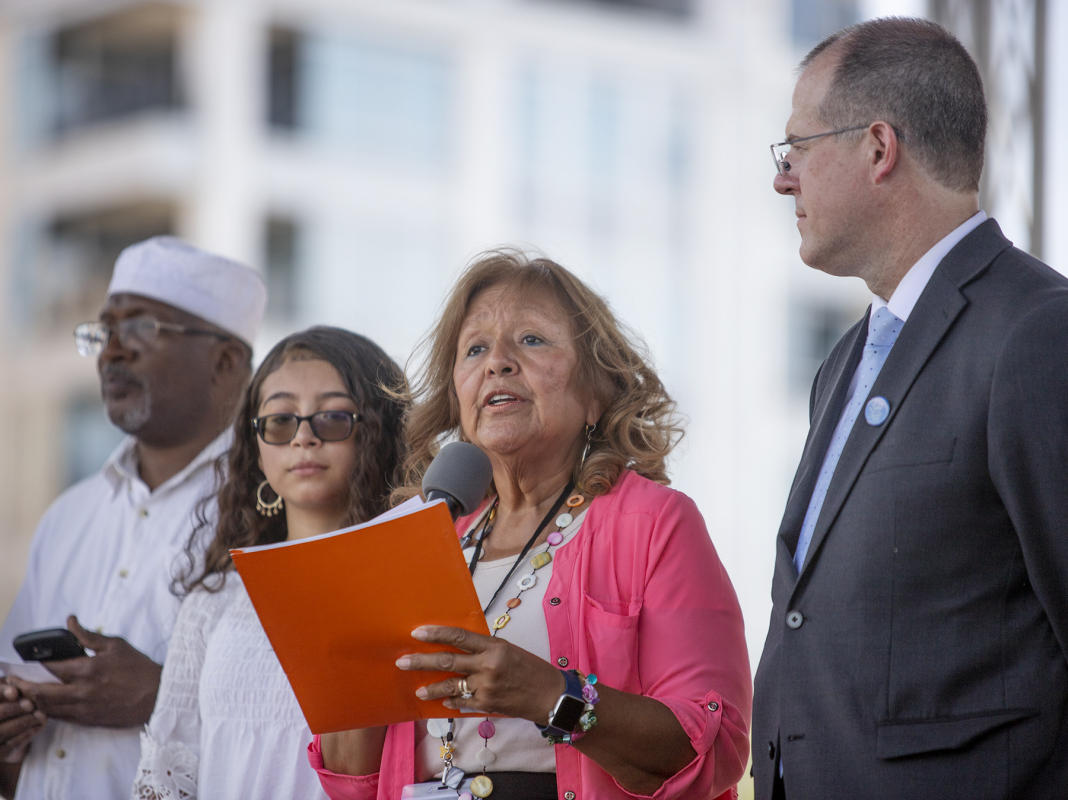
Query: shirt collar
{"x": 121, "y": 466}
{"x": 908, "y": 291}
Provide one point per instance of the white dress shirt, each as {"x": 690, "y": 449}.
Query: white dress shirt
{"x": 517, "y": 746}
{"x": 908, "y": 291}
{"x": 911, "y": 286}
{"x": 105, "y": 551}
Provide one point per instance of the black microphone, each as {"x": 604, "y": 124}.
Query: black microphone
{"x": 460, "y": 475}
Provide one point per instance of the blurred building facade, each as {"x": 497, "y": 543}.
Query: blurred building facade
{"x": 361, "y": 152}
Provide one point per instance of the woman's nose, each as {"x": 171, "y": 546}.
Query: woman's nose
{"x": 501, "y": 362}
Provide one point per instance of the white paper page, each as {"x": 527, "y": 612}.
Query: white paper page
{"x": 409, "y": 506}
{"x": 28, "y": 671}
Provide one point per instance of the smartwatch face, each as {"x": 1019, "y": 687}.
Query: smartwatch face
{"x": 567, "y": 712}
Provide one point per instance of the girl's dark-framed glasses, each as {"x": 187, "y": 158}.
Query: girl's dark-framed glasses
{"x": 328, "y": 426}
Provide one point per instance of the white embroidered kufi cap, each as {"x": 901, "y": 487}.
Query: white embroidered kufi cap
{"x": 216, "y": 289}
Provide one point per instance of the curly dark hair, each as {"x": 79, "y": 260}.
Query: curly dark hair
{"x": 377, "y": 385}
{"x": 639, "y": 425}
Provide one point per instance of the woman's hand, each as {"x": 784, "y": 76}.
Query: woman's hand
{"x": 503, "y": 678}
{"x": 637, "y": 739}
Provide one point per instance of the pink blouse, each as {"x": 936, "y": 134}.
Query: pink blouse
{"x": 639, "y": 598}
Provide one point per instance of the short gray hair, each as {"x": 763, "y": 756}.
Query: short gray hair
{"x": 917, "y": 76}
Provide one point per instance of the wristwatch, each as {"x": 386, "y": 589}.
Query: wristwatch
{"x": 564, "y": 718}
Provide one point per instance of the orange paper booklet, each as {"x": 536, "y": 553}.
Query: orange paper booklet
{"x": 339, "y": 610}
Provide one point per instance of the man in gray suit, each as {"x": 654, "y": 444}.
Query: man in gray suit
{"x": 918, "y": 644}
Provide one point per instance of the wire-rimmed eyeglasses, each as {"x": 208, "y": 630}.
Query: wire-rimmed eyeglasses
{"x": 780, "y": 151}
{"x": 328, "y": 426}
{"x": 133, "y": 332}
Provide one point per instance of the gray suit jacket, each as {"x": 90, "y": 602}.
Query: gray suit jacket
{"x": 923, "y": 649}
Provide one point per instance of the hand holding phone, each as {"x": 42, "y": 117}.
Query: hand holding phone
{"x": 116, "y": 688}
{"x": 50, "y": 644}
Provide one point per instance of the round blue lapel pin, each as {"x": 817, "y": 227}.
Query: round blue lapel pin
{"x": 877, "y": 410}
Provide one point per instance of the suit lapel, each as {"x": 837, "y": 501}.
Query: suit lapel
{"x": 832, "y": 387}
{"x": 935, "y": 313}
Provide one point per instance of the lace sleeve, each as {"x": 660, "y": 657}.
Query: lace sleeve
{"x": 168, "y": 771}
{"x": 170, "y": 744}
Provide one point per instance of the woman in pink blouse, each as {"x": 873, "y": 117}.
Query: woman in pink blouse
{"x": 616, "y": 665}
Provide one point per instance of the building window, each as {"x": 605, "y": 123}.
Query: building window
{"x": 282, "y": 78}
{"x": 112, "y": 67}
{"x": 68, "y": 264}
{"x": 681, "y": 9}
{"x": 90, "y": 436}
{"x": 281, "y": 246}
{"x": 601, "y": 155}
{"x": 372, "y": 98}
{"x": 814, "y": 330}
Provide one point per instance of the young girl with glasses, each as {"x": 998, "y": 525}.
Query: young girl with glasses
{"x": 317, "y": 446}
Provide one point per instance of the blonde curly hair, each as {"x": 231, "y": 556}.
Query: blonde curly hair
{"x": 639, "y": 425}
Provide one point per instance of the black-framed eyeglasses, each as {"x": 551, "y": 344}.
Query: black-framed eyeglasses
{"x": 780, "y": 151}
{"x": 328, "y": 426}
{"x": 135, "y": 333}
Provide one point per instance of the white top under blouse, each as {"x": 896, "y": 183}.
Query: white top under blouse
{"x": 226, "y": 722}
{"x": 517, "y": 746}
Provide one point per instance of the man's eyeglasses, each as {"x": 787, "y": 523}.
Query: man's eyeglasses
{"x": 135, "y": 333}
{"x": 328, "y": 426}
{"x": 781, "y": 150}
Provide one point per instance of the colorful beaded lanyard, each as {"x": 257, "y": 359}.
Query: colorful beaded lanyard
{"x": 482, "y": 785}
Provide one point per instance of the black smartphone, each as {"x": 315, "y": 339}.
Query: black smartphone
{"x": 50, "y": 644}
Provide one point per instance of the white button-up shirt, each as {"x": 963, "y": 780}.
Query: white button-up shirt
{"x": 106, "y": 550}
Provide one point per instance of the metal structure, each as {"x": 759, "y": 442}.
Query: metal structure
{"x": 1008, "y": 40}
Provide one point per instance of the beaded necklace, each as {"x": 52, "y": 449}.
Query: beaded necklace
{"x": 482, "y": 786}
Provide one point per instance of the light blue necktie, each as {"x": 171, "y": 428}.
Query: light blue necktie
{"x": 883, "y": 328}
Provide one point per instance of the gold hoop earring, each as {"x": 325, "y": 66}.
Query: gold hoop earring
{"x": 264, "y": 508}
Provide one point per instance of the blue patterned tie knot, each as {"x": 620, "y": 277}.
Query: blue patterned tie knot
{"x": 883, "y": 328}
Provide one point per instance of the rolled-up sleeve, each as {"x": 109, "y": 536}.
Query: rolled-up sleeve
{"x": 692, "y": 651}
{"x": 658, "y": 616}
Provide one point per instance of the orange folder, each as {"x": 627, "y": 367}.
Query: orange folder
{"x": 339, "y": 610}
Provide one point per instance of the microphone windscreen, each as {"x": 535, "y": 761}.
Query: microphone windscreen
{"x": 462, "y": 471}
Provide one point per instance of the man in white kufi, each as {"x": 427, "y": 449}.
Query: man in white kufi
{"x": 173, "y": 344}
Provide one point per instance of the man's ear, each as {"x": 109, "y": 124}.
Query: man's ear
{"x": 883, "y": 150}
{"x": 231, "y": 358}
